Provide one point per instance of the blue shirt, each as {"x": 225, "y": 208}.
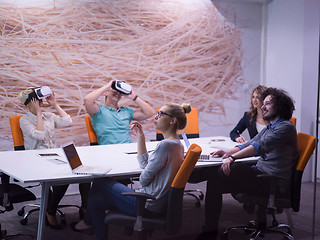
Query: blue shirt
{"x": 112, "y": 127}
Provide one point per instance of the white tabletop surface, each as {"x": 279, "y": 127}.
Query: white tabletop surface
{"x": 27, "y": 166}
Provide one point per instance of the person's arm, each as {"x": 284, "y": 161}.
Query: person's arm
{"x": 90, "y": 100}
{"x": 53, "y": 102}
{"x": 241, "y": 126}
{"x": 63, "y": 119}
{"x": 231, "y": 155}
{"x": 144, "y": 111}
{"x": 39, "y": 121}
{"x": 141, "y": 144}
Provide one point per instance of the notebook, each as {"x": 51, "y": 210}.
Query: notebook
{"x": 203, "y": 157}
{"x": 76, "y": 165}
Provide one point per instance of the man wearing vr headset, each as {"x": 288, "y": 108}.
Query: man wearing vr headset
{"x": 111, "y": 122}
{"x": 38, "y": 133}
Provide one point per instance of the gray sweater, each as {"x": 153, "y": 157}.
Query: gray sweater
{"x": 159, "y": 170}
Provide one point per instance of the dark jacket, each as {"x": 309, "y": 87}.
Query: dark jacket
{"x": 244, "y": 124}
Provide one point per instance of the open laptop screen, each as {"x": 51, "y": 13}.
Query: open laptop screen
{"x": 185, "y": 139}
{"x": 72, "y": 155}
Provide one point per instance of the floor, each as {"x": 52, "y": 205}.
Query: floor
{"x": 232, "y": 214}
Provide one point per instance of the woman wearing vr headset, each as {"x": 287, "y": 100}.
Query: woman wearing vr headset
{"x": 110, "y": 121}
{"x": 38, "y": 132}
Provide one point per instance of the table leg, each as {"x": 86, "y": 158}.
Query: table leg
{"x": 43, "y": 208}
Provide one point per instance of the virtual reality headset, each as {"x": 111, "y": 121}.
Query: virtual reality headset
{"x": 121, "y": 86}
{"x": 39, "y": 93}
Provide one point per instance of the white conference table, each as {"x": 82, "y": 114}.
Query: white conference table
{"x": 28, "y": 167}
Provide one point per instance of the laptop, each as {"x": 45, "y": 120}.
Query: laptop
{"x": 76, "y": 165}
{"x": 203, "y": 157}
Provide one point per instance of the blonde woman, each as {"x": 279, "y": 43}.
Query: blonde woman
{"x": 158, "y": 171}
{"x": 38, "y": 132}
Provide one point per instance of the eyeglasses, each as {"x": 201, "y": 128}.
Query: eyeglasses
{"x": 160, "y": 114}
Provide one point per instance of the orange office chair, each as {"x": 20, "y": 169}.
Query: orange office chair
{"x": 192, "y": 128}
{"x": 294, "y": 121}
{"x": 18, "y": 143}
{"x": 91, "y": 134}
{"x": 171, "y": 221}
{"x": 306, "y": 145}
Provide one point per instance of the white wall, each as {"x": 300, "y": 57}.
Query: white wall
{"x": 246, "y": 16}
{"x": 292, "y": 57}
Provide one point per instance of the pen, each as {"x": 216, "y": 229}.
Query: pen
{"x": 240, "y": 135}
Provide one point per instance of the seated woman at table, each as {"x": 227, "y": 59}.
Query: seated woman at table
{"x": 251, "y": 120}
{"x": 111, "y": 121}
{"x": 38, "y": 132}
{"x": 158, "y": 171}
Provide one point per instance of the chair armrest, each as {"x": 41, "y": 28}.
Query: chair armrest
{"x": 141, "y": 200}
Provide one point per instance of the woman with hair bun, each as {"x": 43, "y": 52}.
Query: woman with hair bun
{"x": 158, "y": 171}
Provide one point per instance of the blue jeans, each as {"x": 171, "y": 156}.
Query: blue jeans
{"x": 105, "y": 194}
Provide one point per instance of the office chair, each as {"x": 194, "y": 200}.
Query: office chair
{"x": 93, "y": 140}
{"x": 306, "y": 145}
{"x": 12, "y": 193}
{"x": 18, "y": 143}
{"x": 294, "y": 121}
{"x": 171, "y": 221}
{"x": 192, "y": 131}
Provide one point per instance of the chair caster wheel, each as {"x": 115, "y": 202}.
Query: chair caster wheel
{"x": 20, "y": 212}
{"x": 24, "y": 221}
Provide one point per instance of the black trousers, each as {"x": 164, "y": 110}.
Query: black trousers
{"x": 57, "y": 192}
{"x": 243, "y": 178}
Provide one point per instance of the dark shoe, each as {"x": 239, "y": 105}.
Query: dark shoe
{"x": 52, "y": 226}
{"x": 211, "y": 235}
{"x": 88, "y": 231}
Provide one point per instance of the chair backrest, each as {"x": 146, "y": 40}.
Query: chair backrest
{"x": 175, "y": 200}
{"x": 17, "y": 135}
{"x": 306, "y": 145}
{"x": 92, "y": 135}
{"x": 192, "y": 128}
{"x": 294, "y": 121}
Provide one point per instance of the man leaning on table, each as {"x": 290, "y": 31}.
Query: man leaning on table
{"x": 278, "y": 150}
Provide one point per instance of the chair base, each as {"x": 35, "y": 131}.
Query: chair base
{"x": 261, "y": 232}
{"x": 36, "y": 207}
{"x": 198, "y": 198}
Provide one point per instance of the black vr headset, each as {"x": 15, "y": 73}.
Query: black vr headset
{"x": 121, "y": 86}
{"x": 38, "y": 93}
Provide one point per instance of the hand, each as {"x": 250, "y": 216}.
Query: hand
{"x": 36, "y": 105}
{"x": 52, "y": 99}
{"x": 240, "y": 140}
{"x": 218, "y": 153}
{"x": 226, "y": 166}
{"x": 137, "y": 128}
{"x": 132, "y": 95}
